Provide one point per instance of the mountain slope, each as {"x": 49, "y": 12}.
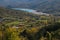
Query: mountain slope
{"x": 48, "y": 6}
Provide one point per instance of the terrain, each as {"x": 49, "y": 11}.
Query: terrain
{"x": 22, "y": 25}
{"x": 41, "y": 24}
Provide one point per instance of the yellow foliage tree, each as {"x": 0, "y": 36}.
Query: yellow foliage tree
{"x": 1, "y": 35}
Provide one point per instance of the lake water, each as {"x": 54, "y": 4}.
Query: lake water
{"x": 27, "y": 10}
{"x": 32, "y": 11}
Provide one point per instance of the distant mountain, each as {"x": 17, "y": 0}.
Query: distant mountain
{"x": 48, "y": 6}
{"x": 21, "y": 3}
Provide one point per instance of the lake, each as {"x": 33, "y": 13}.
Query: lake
{"x": 32, "y": 11}
{"x": 27, "y": 10}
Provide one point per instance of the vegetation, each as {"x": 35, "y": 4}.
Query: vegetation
{"x": 19, "y": 25}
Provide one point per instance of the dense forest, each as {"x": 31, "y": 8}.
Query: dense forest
{"x": 20, "y": 25}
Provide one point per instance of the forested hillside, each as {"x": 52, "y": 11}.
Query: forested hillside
{"x": 20, "y": 25}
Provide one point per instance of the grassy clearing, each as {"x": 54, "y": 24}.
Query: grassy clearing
{"x": 13, "y": 23}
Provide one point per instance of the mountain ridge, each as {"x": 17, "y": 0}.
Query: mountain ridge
{"x": 47, "y": 6}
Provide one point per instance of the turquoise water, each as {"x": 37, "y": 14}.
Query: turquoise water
{"x": 27, "y": 10}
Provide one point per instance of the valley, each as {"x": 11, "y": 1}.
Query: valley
{"x": 27, "y": 25}
{"x": 29, "y": 19}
